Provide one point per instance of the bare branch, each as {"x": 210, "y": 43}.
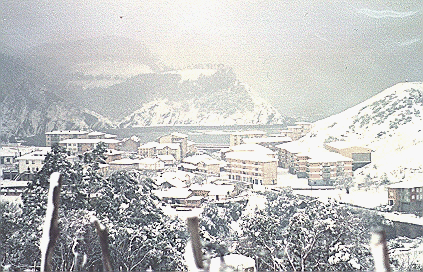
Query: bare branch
{"x": 195, "y": 241}
{"x": 51, "y": 227}
{"x": 103, "y": 236}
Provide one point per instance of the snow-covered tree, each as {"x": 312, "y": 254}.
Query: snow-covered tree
{"x": 301, "y": 234}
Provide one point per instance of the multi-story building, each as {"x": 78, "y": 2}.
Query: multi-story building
{"x": 203, "y": 164}
{"x": 154, "y": 149}
{"x": 57, "y": 136}
{"x": 176, "y": 138}
{"x": 406, "y": 196}
{"x": 361, "y": 156}
{"x": 33, "y": 162}
{"x": 236, "y": 138}
{"x": 252, "y": 163}
{"x": 79, "y": 146}
{"x": 297, "y": 131}
{"x": 324, "y": 168}
{"x": 269, "y": 142}
{"x": 319, "y": 166}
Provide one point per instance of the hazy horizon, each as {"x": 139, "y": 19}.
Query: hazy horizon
{"x": 307, "y": 58}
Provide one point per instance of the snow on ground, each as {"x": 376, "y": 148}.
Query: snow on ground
{"x": 367, "y": 199}
{"x": 255, "y": 201}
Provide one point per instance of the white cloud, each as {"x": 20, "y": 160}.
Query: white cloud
{"x": 378, "y": 14}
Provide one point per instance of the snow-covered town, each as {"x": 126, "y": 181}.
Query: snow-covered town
{"x": 205, "y": 136}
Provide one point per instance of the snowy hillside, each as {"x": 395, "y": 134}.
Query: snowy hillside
{"x": 29, "y": 108}
{"x": 390, "y": 123}
{"x": 204, "y": 97}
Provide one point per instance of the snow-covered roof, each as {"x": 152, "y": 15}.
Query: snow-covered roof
{"x": 250, "y": 156}
{"x": 166, "y": 157}
{"x": 406, "y": 184}
{"x": 303, "y": 123}
{"x": 36, "y": 155}
{"x": 96, "y": 133}
{"x": 135, "y": 138}
{"x": 124, "y": 162}
{"x": 89, "y": 141}
{"x": 67, "y": 132}
{"x": 197, "y": 158}
{"x": 213, "y": 189}
{"x": 149, "y": 161}
{"x": 293, "y": 147}
{"x": 195, "y": 198}
{"x": 347, "y": 144}
{"x": 13, "y": 183}
{"x": 113, "y": 152}
{"x": 251, "y": 148}
{"x": 149, "y": 145}
{"x": 169, "y": 145}
{"x": 184, "y": 176}
{"x": 326, "y": 156}
{"x": 173, "y": 193}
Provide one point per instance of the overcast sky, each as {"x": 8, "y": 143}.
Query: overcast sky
{"x": 311, "y": 57}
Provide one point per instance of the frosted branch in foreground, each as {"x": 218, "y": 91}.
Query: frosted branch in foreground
{"x": 380, "y": 251}
{"x": 103, "y": 235}
{"x": 195, "y": 241}
{"x": 51, "y": 228}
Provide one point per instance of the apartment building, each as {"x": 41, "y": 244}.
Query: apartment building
{"x": 252, "y": 163}
{"x": 361, "y": 156}
{"x": 324, "y": 168}
{"x": 406, "y": 196}
{"x": 154, "y": 149}
{"x": 203, "y": 164}
{"x": 236, "y": 138}
{"x": 33, "y": 162}
{"x": 176, "y": 138}
{"x": 79, "y": 146}
{"x": 54, "y": 137}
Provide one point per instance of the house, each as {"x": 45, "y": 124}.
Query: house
{"x": 124, "y": 164}
{"x": 203, "y": 164}
{"x": 173, "y": 195}
{"x": 33, "y": 162}
{"x": 179, "y": 139}
{"x": 324, "y": 168}
{"x": 361, "y": 156}
{"x": 406, "y": 196}
{"x": 113, "y": 155}
{"x": 168, "y": 160}
{"x": 151, "y": 164}
{"x": 12, "y": 187}
{"x": 252, "y": 163}
{"x": 237, "y": 137}
{"x": 154, "y": 149}
{"x": 130, "y": 144}
{"x": 57, "y": 136}
{"x": 79, "y": 146}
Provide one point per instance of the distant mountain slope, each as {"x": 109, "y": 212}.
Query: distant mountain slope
{"x": 200, "y": 97}
{"x": 28, "y": 107}
{"x": 391, "y": 123}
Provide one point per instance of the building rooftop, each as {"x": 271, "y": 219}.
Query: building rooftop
{"x": 89, "y": 141}
{"x": 250, "y": 156}
{"x": 345, "y": 144}
{"x": 125, "y": 162}
{"x": 326, "y": 156}
{"x": 406, "y": 184}
{"x": 251, "y": 148}
{"x": 67, "y": 132}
